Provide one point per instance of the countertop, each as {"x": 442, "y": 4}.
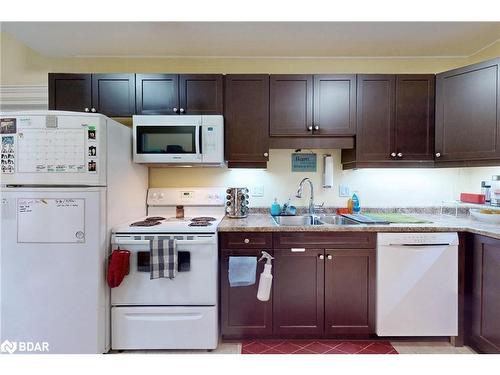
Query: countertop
{"x": 440, "y": 223}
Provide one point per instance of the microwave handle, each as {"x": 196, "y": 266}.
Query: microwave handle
{"x": 198, "y": 140}
{"x": 179, "y": 242}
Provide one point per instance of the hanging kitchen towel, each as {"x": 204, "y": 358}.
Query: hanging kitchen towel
{"x": 163, "y": 258}
{"x": 242, "y": 271}
{"x": 118, "y": 267}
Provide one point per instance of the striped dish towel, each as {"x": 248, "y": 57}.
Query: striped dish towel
{"x": 163, "y": 258}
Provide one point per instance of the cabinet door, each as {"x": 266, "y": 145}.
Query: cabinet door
{"x": 242, "y": 314}
{"x": 485, "y": 330}
{"x": 113, "y": 94}
{"x": 70, "y": 92}
{"x": 349, "y": 291}
{"x": 298, "y": 292}
{"x": 246, "y": 117}
{"x": 157, "y": 94}
{"x": 334, "y": 105}
{"x": 291, "y": 98}
{"x": 201, "y": 94}
{"x": 467, "y": 118}
{"x": 375, "y": 117}
{"x": 414, "y": 130}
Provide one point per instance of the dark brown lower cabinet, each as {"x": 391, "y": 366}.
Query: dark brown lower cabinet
{"x": 349, "y": 291}
{"x": 323, "y": 286}
{"x": 242, "y": 314}
{"x": 298, "y": 293}
{"x": 484, "y": 298}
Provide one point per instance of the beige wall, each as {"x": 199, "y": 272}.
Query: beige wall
{"x": 377, "y": 187}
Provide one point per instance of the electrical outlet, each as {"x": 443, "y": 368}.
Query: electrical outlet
{"x": 344, "y": 191}
{"x": 257, "y": 191}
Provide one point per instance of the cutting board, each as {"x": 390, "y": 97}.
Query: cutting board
{"x": 395, "y": 218}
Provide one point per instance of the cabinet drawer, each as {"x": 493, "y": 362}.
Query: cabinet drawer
{"x": 334, "y": 240}
{"x": 246, "y": 240}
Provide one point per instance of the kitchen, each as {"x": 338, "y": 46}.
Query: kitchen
{"x": 252, "y": 205}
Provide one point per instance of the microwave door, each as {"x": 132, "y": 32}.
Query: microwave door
{"x": 167, "y": 144}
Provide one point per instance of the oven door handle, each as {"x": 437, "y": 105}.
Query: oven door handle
{"x": 179, "y": 242}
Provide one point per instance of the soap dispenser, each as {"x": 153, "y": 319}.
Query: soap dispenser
{"x": 275, "y": 208}
{"x": 266, "y": 278}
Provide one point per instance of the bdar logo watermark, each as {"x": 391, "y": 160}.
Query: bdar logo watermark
{"x": 12, "y": 347}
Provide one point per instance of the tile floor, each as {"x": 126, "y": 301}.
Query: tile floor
{"x": 317, "y": 347}
{"x": 402, "y": 347}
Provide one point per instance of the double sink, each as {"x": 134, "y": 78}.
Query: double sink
{"x": 306, "y": 220}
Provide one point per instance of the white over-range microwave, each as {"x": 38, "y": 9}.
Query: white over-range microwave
{"x": 179, "y": 140}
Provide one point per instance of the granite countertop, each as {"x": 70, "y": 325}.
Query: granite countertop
{"x": 440, "y": 223}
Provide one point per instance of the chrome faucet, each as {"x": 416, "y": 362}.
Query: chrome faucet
{"x": 311, "y": 198}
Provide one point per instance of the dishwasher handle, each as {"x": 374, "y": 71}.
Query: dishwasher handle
{"x": 420, "y": 244}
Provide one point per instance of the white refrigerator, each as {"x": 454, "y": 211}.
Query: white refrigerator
{"x": 67, "y": 178}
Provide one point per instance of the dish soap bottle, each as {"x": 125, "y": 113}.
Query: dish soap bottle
{"x": 356, "y": 208}
{"x": 275, "y": 207}
{"x": 266, "y": 278}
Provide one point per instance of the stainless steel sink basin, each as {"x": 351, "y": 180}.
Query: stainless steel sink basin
{"x": 299, "y": 220}
{"x": 336, "y": 220}
{"x": 304, "y": 220}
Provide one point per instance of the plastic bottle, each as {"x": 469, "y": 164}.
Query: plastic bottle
{"x": 266, "y": 278}
{"x": 356, "y": 208}
{"x": 275, "y": 207}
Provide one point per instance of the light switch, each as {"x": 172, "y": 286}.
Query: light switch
{"x": 344, "y": 191}
{"x": 257, "y": 191}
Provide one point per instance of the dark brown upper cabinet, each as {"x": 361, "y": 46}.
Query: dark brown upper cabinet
{"x": 298, "y": 292}
{"x": 70, "y": 92}
{"x": 200, "y": 94}
{"x": 349, "y": 291}
{"x": 307, "y": 105}
{"x": 157, "y": 94}
{"x": 467, "y": 115}
{"x": 246, "y": 118}
{"x": 334, "y": 112}
{"x": 414, "y": 130}
{"x": 113, "y": 94}
{"x": 484, "y": 268}
{"x": 291, "y": 98}
{"x": 395, "y": 122}
{"x": 110, "y": 94}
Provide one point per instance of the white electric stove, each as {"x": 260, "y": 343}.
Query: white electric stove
{"x": 170, "y": 314}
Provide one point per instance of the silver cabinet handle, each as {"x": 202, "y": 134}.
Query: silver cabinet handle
{"x": 330, "y": 257}
{"x": 297, "y": 249}
{"x": 86, "y": 110}
{"x": 310, "y": 128}
{"x": 174, "y": 109}
{"x": 400, "y": 155}
{"x": 438, "y": 154}
{"x": 181, "y": 110}
{"x": 92, "y": 110}
{"x": 266, "y": 154}
{"x": 393, "y": 154}
{"x": 246, "y": 240}
{"x": 321, "y": 257}
{"x": 316, "y": 127}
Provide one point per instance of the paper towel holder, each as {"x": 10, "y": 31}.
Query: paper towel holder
{"x": 327, "y": 171}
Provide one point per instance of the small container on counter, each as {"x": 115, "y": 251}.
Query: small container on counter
{"x": 486, "y": 191}
{"x": 179, "y": 212}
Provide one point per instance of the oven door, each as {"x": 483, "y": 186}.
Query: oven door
{"x": 167, "y": 139}
{"x": 194, "y": 284}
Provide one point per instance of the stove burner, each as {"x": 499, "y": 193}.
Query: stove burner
{"x": 145, "y": 223}
{"x": 199, "y": 223}
{"x": 154, "y": 218}
{"x": 203, "y": 218}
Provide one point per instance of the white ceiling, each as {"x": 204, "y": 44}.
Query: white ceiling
{"x": 256, "y": 39}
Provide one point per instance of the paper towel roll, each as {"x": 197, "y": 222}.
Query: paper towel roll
{"x": 327, "y": 171}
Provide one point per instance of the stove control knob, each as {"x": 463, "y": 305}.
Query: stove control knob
{"x": 161, "y": 196}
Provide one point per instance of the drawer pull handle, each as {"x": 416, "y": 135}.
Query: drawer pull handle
{"x": 321, "y": 257}
{"x": 246, "y": 240}
{"x": 297, "y": 249}
{"x": 330, "y": 257}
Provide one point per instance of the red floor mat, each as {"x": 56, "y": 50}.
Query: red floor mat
{"x": 316, "y": 347}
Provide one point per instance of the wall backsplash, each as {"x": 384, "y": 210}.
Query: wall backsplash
{"x": 377, "y": 187}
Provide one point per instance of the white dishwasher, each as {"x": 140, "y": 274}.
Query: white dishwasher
{"x": 417, "y": 284}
